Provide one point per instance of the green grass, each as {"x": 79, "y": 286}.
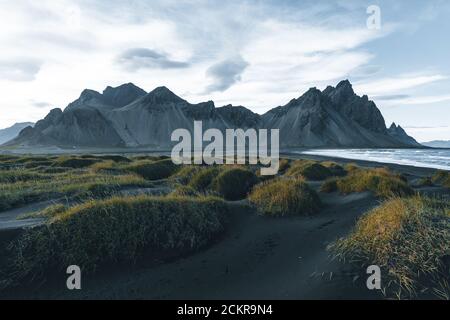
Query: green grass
{"x": 72, "y": 162}
{"x": 309, "y": 169}
{"x": 202, "y": 180}
{"x": 409, "y": 238}
{"x": 336, "y": 169}
{"x": 186, "y": 173}
{"x": 73, "y": 183}
{"x": 117, "y": 230}
{"x": 234, "y": 183}
{"x": 381, "y": 181}
{"x": 184, "y": 191}
{"x": 17, "y": 175}
{"x": 282, "y": 197}
{"x": 153, "y": 170}
{"x": 425, "y": 182}
{"x": 442, "y": 177}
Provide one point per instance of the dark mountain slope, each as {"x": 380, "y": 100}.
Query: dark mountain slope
{"x": 128, "y": 116}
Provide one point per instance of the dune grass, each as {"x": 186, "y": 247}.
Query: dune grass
{"x": 425, "y": 182}
{"x": 117, "y": 230}
{"x": 186, "y": 173}
{"x": 381, "y": 181}
{"x": 184, "y": 191}
{"x": 442, "y": 177}
{"x": 17, "y": 175}
{"x": 202, "y": 180}
{"x": 74, "y": 162}
{"x": 409, "y": 238}
{"x": 72, "y": 183}
{"x": 234, "y": 183}
{"x": 314, "y": 170}
{"x": 283, "y": 197}
{"x": 153, "y": 170}
{"x": 310, "y": 170}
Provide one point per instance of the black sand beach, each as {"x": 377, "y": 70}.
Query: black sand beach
{"x": 258, "y": 257}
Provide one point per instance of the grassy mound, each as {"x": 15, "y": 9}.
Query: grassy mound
{"x": 280, "y": 197}
{"x": 153, "y": 170}
{"x": 336, "y": 169}
{"x": 114, "y": 158}
{"x": 234, "y": 183}
{"x": 77, "y": 163}
{"x": 184, "y": 191}
{"x": 442, "y": 177}
{"x": 12, "y": 176}
{"x": 425, "y": 182}
{"x": 409, "y": 238}
{"x": 82, "y": 184}
{"x": 309, "y": 170}
{"x": 381, "y": 181}
{"x": 330, "y": 185}
{"x": 203, "y": 179}
{"x": 186, "y": 173}
{"x": 284, "y": 165}
{"x": 117, "y": 230}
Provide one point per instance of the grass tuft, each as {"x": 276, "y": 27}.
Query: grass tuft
{"x": 117, "y": 230}
{"x": 153, "y": 170}
{"x": 234, "y": 183}
{"x": 380, "y": 181}
{"x": 282, "y": 197}
{"x": 308, "y": 169}
{"x": 409, "y": 238}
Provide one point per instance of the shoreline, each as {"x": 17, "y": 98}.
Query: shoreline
{"x": 408, "y": 169}
{"x": 286, "y": 153}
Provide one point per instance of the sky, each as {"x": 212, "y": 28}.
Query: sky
{"x": 259, "y": 54}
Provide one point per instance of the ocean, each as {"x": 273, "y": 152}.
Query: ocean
{"x": 426, "y": 158}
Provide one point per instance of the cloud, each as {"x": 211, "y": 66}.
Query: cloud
{"x": 391, "y": 97}
{"x": 143, "y": 58}
{"x": 405, "y": 99}
{"x": 40, "y": 104}
{"x": 19, "y": 69}
{"x": 425, "y": 127}
{"x": 226, "y": 73}
{"x": 385, "y": 86}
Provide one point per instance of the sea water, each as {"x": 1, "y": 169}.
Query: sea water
{"x": 426, "y": 158}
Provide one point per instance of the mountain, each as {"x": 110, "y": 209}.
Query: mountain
{"x": 437, "y": 144}
{"x": 13, "y": 131}
{"x": 399, "y": 134}
{"x": 127, "y": 116}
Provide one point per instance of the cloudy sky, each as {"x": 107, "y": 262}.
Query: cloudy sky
{"x": 259, "y": 54}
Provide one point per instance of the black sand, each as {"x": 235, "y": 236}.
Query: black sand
{"x": 258, "y": 258}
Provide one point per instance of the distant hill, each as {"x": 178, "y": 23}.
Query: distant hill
{"x": 127, "y": 116}
{"x": 13, "y": 131}
{"x": 437, "y": 144}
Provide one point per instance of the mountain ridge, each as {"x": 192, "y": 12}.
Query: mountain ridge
{"x": 128, "y": 116}
{"x": 13, "y": 131}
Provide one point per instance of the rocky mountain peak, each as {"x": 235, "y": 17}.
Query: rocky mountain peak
{"x": 400, "y": 134}
{"x": 88, "y": 94}
{"x": 162, "y": 95}
{"x": 123, "y": 94}
{"x": 127, "y": 115}
{"x": 345, "y": 85}
{"x": 359, "y": 109}
{"x": 239, "y": 116}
